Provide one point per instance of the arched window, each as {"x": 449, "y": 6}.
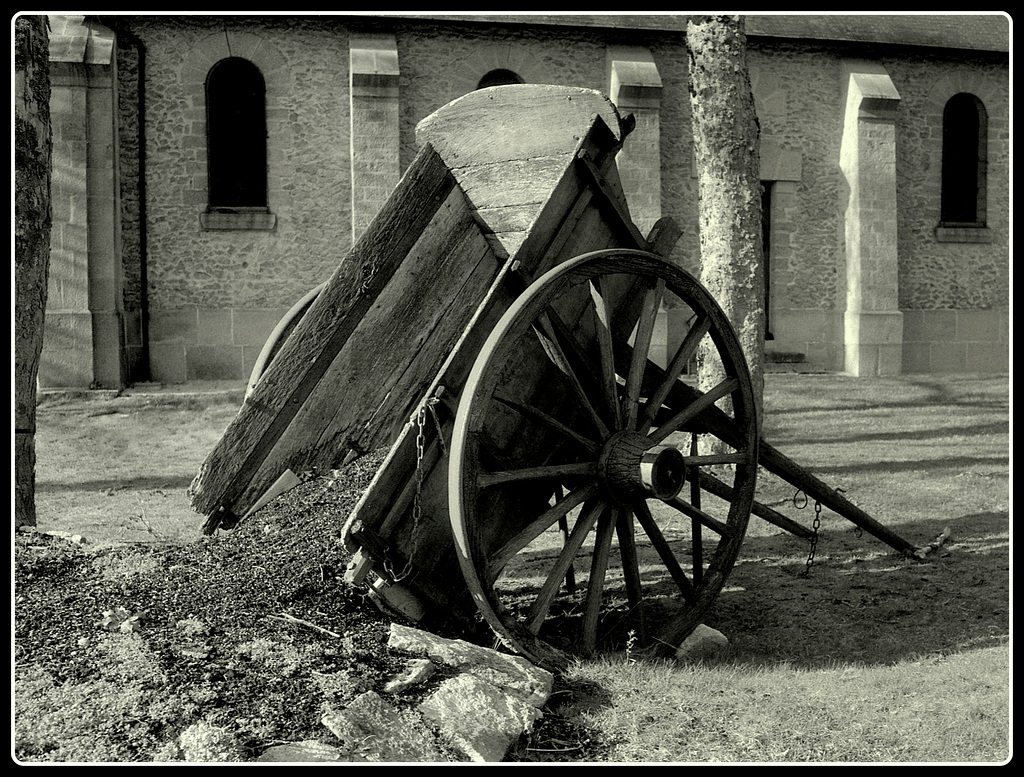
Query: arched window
{"x": 964, "y": 161}
{"x": 500, "y": 77}
{"x": 236, "y": 127}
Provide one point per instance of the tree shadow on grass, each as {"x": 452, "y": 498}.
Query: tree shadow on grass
{"x": 905, "y": 435}
{"x": 860, "y": 602}
{"x": 844, "y": 394}
{"x": 106, "y": 485}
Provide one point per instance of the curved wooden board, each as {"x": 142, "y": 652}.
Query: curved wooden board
{"x": 511, "y": 123}
{"x": 510, "y": 146}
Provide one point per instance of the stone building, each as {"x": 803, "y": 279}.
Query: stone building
{"x": 210, "y": 170}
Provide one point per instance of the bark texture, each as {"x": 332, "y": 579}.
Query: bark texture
{"x": 726, "y": 141}
{"x": 33, "y": 143}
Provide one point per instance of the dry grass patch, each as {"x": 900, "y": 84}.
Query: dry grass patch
{"x": 941, "y": 709}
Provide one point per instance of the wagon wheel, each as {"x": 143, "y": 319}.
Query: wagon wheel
{"x": 281, "y": 333}
{"x": 569, "y": 441}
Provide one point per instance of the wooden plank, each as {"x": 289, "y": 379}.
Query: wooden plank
{"x": 509, "y": 147}
{"x": 376, "y": 380}
{"x": 513, "y": 123}
{"x": 325, "y": 329}
{"x": 496, "y": 184}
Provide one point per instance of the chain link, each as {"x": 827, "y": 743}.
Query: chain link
{"x": 797, "y": 503}
{"x": 420, "y": 418}
{"x": 814, "y": 539}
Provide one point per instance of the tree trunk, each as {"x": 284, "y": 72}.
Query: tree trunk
{"x": 32, "y": 218}
{"x": 725, "y": 133}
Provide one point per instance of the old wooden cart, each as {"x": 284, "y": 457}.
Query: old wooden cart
{"x": 494, "y": 328}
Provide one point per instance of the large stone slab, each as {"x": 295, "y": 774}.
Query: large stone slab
{"x": 481, "y": 720}
{"x": 512, "y": 674}
{"x": 372, "y": 729}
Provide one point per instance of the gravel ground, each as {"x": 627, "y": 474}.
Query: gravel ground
{"x": 119, "y": 649}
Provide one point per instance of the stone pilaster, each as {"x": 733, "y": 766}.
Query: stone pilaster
{"x": 373, "y": 75}
{"x": 873, "y": 323}
{"x": 635, "y": 88}
{"x": 84, "y": 341}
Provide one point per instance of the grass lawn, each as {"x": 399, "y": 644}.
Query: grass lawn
{"x": 870, "y": 657}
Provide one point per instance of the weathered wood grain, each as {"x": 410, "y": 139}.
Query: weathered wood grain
{"x": 318, "y": 338}
{"x": 516, "y": 122}
{"x": 510, "y": 147}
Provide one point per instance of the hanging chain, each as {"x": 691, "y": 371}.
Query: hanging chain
{"x": 417, "y": 509}
{"x": 814, "y": 539}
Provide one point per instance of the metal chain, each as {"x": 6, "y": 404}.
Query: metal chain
{"x": 814, "y": 539}
{"x": 420, "y": 419}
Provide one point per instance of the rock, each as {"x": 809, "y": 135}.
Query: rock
{"x": 511, "y": 673}
{"x": 417, "y": 671}
{"x": 203, "y": 742}
{"x": 705, "y": 643}
{"x": 77, "y": 539}
{"x": 309, "y": 751}
{"x": 494, "y": 700}
{"x": 480, "y": 719}
{"x": 374, "y": 730}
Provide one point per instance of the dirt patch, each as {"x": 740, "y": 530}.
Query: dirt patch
{"x": 207, "y": 630}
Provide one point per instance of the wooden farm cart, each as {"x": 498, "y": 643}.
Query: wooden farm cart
{"x": 493, "y": 327}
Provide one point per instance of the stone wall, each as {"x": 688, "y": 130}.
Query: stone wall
{"x": 216, "y": 294}
{"x": 344, "y": 95}
{"x": 954, "y": 291}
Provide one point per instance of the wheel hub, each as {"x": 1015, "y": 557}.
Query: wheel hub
{"x": 628, "y": 470}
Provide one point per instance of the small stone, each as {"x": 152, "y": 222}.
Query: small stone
{"x": 203, "y": 742}
{"x": 483, "y": 721}
{"x": 417, "y": 671}
{"x": 309, "y": 751}
{"x": 511, "y": 673}
{"x": 371, "y": 729}
{"x": 704, "y": 644}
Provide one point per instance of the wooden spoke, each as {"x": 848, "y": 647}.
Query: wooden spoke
{"x": 538, "y": 526}
{"x": 602, "y": 325}
{"x": 550, "y": 338}
{"x": 547, "y": 472}
{"x": 711, "y": 459}
{"x": 550, "y": 422}
{"x": 696, "y": 530}
{"x": 706, "y": 520}
{"x": 630, "y": 562}
{"x": 668, "y": 558}
{"x": 563, "y": 526}
{"x": 563, "y": 565}
{"x": 693, "y": 410}
{"x": 581, "y": 358}
{"x": 595, "y": 585}
{"x": 641, "y": 349}
{"x": 675, "y": 368}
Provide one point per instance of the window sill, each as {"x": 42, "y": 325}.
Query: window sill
{"x": 961, "y": 234}
{"x": 261, "y": 219}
